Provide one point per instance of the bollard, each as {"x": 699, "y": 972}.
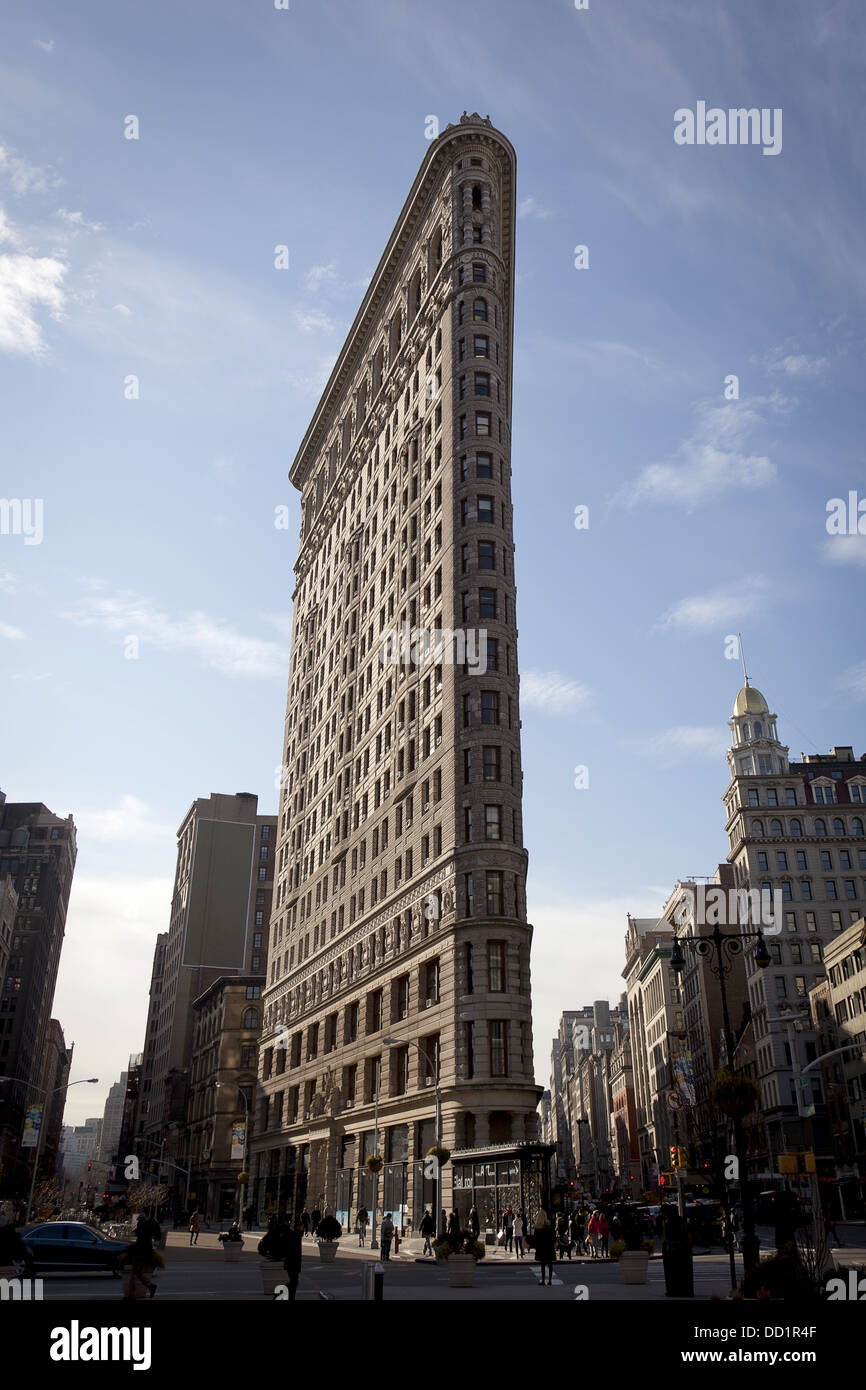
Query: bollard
{"x": 372, "y": 1280}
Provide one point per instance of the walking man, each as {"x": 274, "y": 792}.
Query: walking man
{"x": 363, "y": 1219}
{"x": 387, "y": 1235}
{"x": 426, "y": 1229}
{"x": 194, "y": 1226}
{"x": 293, "y": 1256}
{"x": 519, "y": 1222}
{"x": 508, "y": 1227}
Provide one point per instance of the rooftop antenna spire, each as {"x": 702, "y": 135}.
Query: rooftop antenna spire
{"x": 743, "y": 657}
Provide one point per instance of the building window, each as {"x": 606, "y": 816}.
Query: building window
{"x": 251, "y": 1018}
{"x": 493, "y": 822}
{"x": 374, "y": 1011}
{"x": 486, "y": 555}
{"x": 254, "y": 992}
{"x": 486, "y": 603}
{"x": 495, "y": 904}
{"x": 498, "y": 1049}
{"x": 485, "y": 511}
{"x": 430, "y": 981}
{"x": 482, "y": 384}
{"x": 492, "y": 767}
{"x": 470, "y": 900}
{"x": 496, "y": 966}
{"x": 479, "y": 273}
{"x": 482, "y": 422}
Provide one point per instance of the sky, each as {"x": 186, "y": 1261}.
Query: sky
{"x": 157, "y": 373}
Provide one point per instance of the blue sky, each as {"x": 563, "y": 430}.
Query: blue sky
{"x": 154, "y": 258}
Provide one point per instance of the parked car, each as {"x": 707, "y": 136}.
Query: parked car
{"x": 71, "y": 1245}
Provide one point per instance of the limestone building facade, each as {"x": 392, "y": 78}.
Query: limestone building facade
{"x": 399, "y": 948}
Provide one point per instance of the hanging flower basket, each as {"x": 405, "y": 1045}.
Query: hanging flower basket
{"x": 441, "y": 1155}
{"x": 735, "y": 1094}
{"x": 374, "y": 1163}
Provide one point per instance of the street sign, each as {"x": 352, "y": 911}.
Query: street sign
{"x": 675, "y": 1100}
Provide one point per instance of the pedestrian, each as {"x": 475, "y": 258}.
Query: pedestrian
{"x": 474, "y": 1222}
{"x": 141, "y": 1259}
{"x": 563, "y": 1237}
{"x": 361, "y": 1222}
{"x": 508, "y": 1227}
{"x": 249, "y": 1215}
{"x": 519, "y": 1226}
{"x": 454, "y": 1233}
{"x": 576, "y": 1228}
{"x": 194, "y": 1227}
{"x": 294, "y": 1255}
{"x": 315, "y": 1219}
{"x": 593, "y": 1231}
{"x": 443, "y": 1222}
{"x": 544, "y": 1243}
{"x": 274, "y": 1241}
{"x": 305, "y": 1221}
{"x": 603, "y": 1233}
{"x": 387, "y": 1235}
{"x": 830, "y": 1229}
{"x": 426, "y": 1229}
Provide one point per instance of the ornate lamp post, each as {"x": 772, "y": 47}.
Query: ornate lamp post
{"x": 727, "y": 946}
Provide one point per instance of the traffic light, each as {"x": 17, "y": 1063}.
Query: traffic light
{"x": 89, "y": 1166}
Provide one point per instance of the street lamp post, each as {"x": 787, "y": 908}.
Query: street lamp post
{"x": 85, "y": 1081}
{"x": 374, "y": 1244}
{"x": 242, "y": 1187}
{"x": 727, "y": 946}
{"x": 434, "y": 1072}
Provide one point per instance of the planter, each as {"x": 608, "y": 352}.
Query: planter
{"x": 328, "y": 1251}
{"x": 273, "y": 1274}
{"x": 633, "y": 1264}
{"x": 461, "y": 1271}
{"x": 232, "y": 1249}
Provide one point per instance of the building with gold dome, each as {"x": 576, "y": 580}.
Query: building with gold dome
{"x": 797, "y": 829}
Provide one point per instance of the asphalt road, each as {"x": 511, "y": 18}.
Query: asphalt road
{"x": 202, "y": 1273}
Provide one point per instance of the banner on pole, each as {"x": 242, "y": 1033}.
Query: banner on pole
{"x": 32, "y": 1126}
{"x": 239, "y": 1132}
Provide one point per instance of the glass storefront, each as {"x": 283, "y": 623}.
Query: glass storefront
{"x": 519, "y": 1181}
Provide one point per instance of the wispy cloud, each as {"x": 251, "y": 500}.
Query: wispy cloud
{"x": 28, "y": 284}
{"x": 844, "y": 550}
{"x": 212, "y": 643}
{"x": 8, "y": 582}
{"x": 723, "y": 607}
{"x": 792, "y": 364}
{"x": 24, "y": 177}
{"x": 713, "y": 460}
{"x": 314, "y": 321}
{"x": 79, "y": 221}
{"x": 130, "y": 820}
{"x": 671, "y": 746}
{"x": 319, "y": 275}
{"x": 12, "y": 634}
{"x": 47, "y": 45}
{"x": 551, "y": 693}
{"x": 854, "y": 681}
{"x": 531, "y": 207}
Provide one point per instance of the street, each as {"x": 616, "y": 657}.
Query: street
{"x": 202, "y": 1273}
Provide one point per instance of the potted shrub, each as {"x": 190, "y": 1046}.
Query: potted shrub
{"x": 735, "y": 1093}
{"x": 462, "y": 1256}
{"x": 328, "y": 1234}
{"x": 231, "y": 1241}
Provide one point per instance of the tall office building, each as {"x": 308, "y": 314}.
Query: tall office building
{"x": 219, "y": 911}
{"x": 796, "y": 828}
{"x": 37, "y": 852}
{"x": 399, "y": 940}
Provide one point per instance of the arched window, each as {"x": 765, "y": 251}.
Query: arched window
{"x": 758, "y": 729}
{"x": 476, "y": 196}
{"x": 747, "y": 731}
{"x": 775, "y": 827}
{"x": 479, "y": 310}
{"x": 435, "y": 253}
{"x": 378, "y": 369}
{"x": 415, "y": 294}
{"x": 838, "y": 827}
{"x": 820, "y": 828}
{"x": 796, "y": 827}
{"x": 251, "y": 1018}
{"x": 757, "y": 827}
{"x": 856, "y": 826}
